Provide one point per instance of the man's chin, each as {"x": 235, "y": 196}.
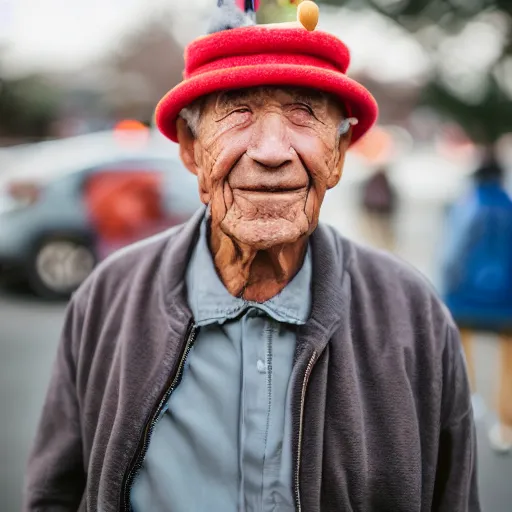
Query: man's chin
{"x": 262, "y": 234}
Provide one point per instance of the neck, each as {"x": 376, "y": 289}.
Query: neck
{"x": 254, "y": 274}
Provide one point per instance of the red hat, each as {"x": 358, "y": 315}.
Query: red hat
{"x": 254, "y": 56}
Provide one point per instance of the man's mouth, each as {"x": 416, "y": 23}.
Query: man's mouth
{"x": 269, "y": 201}
{"x": 271, "y": 190}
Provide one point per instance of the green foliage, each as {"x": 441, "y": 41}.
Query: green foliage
{"x": 486, "y": 119}
{"x": 28, "y": 106}
{"x": 484, "y": 122}
{"x": 274, "y": 12}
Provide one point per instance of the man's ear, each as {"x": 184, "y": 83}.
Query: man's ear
{"x": 343, "y": 146}
{"x": 186, "y": 141}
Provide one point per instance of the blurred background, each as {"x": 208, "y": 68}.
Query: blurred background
{"x": 83, "y": 172}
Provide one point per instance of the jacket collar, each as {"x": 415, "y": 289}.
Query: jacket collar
{"x": 210, "y": 302}
{"x": 330, "y": 288}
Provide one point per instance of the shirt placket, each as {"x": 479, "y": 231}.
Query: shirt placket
{"x": 270, "y": 331}
{"x": 256, "y": 404}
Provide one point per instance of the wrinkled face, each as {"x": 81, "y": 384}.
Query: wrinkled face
{"x": 264, "y": 158}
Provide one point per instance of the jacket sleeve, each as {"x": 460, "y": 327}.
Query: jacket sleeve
{"x": 55, "y": 479}
{"x": 456, "y": 486}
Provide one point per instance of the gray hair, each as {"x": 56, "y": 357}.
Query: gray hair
{"x": 345, "y": 126}
{"x": 191, "y": 114}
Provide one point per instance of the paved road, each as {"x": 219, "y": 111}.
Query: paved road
{"x": 28, "y": 338}
{"x": 29, "y": 332}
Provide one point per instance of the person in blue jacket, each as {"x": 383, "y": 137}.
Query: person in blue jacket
{"x": 477, "y": 276}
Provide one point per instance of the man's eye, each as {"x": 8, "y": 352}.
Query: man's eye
{"x": 241, "y": 110}
{"x": 236, "y": 115}
{"x": 301, "y": 114}
{"x": 304, "y": 108}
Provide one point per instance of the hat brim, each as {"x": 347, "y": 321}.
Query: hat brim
{"x": 356, "y": 98}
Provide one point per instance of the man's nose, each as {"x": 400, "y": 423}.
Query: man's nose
{"x": 269, "y": 145}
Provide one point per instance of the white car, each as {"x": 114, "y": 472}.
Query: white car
{"x": 47, "y": 229}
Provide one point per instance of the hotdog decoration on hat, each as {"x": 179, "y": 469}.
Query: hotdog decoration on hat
{"x": 237, "y": 53}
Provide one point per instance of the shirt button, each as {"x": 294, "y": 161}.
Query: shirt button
{"x": 261, "y": 366}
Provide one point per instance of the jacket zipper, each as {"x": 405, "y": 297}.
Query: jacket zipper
{"x": 142, "y": 448}
{"x": 307, "y": 374}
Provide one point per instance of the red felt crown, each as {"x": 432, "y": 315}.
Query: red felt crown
{"x": 257, "y": 56}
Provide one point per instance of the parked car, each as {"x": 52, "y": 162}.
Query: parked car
{"x": 65, "y": 205}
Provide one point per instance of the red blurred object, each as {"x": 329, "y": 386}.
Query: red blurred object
{"x": 125, "y": 206}
{"x": 376, "y": 147}
{"x": 131, "y": 133}
{"x": 24, "y": 192}
{"x": 130, "y": 125}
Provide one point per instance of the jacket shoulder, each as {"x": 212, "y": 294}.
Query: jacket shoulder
{"x": 394, "y": 289}
{"x": 128, "y": 269}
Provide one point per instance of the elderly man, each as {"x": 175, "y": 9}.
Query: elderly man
{"x": 253, "y": 360}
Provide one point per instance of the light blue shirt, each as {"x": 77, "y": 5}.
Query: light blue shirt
{"x": 224, "y": 442}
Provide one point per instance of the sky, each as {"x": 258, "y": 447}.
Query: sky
{"x": 66, "y": 34}
{"x": 63, "y": 35}
{"x": 60, "y": 34}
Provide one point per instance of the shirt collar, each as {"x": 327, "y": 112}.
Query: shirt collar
{"x": 210, "y": 301}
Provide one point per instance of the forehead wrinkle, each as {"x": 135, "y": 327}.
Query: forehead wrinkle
{"x": 259, "y": 94}
{"x": 256, "y": 96}
{"x": 227, "y": 98}
{"x": 308, "y": 96}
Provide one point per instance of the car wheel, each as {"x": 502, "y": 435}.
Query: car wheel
{"x": 59, "y": 265}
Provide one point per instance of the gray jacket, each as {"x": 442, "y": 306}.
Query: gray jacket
{"x": 382, "y": 418}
